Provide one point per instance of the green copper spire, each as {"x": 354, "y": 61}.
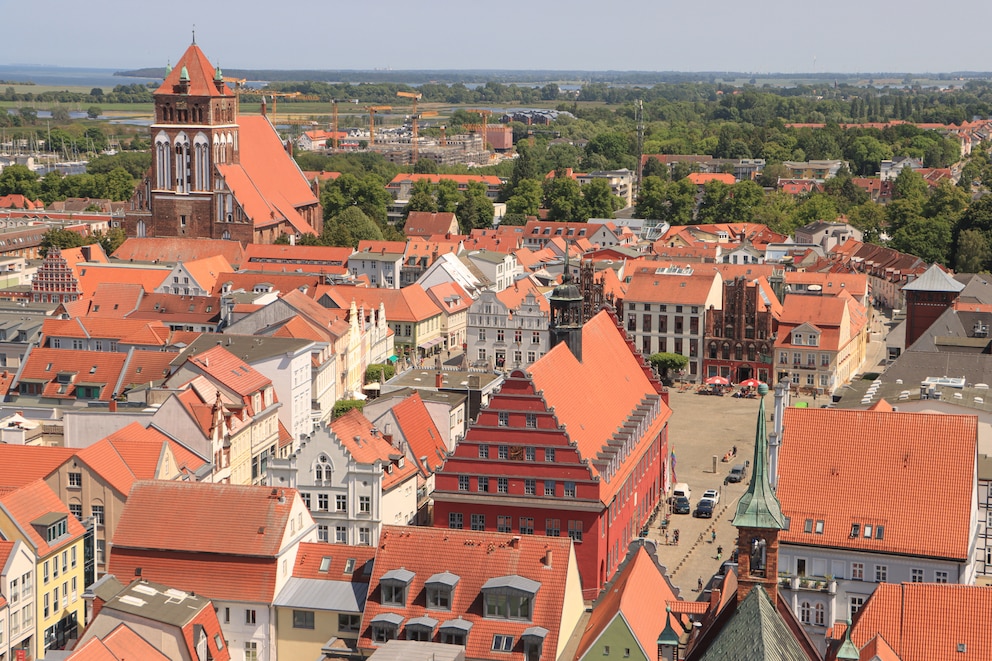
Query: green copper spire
{"x": 168, "y": 68}
{"x": 218, "y": 74}
{"x": 184, "y": 74}
{"x": 668, "y": 635}
{"x": 848, "y": 651}
{"x": 759, "y": 507}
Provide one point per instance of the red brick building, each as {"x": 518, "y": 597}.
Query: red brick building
{"x": 216, "y": 174}
{"x": 738, "y": 339}
{"x": 569, "y": 446}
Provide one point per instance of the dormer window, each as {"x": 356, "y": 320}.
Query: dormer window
{"x": 385, "y": 627}
{"x": 455, "y": 632}
{"x": 797, "y": 339}
{"x": 421, "y": 628}
{"x": 509, "y": 597}
{"x": 56, "y": 530}
{"x": 440, "y": 588}
{"x": 813, "y": 340}
{"x": 394, "y": 584}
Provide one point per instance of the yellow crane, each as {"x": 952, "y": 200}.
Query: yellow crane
{"x": 485, "y": 113}
{"x": 373, "y": 110}
{"x": 334, "y": 123}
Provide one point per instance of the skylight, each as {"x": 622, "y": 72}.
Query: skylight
{"x": 325, "y": 563}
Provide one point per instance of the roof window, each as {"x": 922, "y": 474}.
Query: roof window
{"x": 325, "y": 563}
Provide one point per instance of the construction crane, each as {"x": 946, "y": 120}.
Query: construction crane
{"x": 334, "y": 123}
{"x": 298, "y": 96}
{"x": 485, "y": 113}
{"x": 415, "y": 122}
{"x": 372, "y": 113}
{"x": 237, "y": 83}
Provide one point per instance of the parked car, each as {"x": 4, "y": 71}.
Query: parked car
{"x": 713, "y": 495}
{"x": 737, "y": 473}
{"x": 681, "y": 505}
{"x": 704, "y": 510}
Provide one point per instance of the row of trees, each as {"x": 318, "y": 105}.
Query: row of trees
{"x": 60, "y": 238}
{"x": 102, "y": 180}
{"x": 133, "y": 93}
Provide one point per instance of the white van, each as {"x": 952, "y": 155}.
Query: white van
{"x": 681, "y": 489}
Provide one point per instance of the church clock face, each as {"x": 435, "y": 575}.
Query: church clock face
{"x": 516, "y": 453}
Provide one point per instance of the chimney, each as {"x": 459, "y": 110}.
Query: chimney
{"x": 112, "y": 406}
{"x": 439, "y": 380}
{"x": 515, "y": 542}
{"x": 714, "y": 599}
{"x": 263, "y": 106}
{"x": 547, "y": 558}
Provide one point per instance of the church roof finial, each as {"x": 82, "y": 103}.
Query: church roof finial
{"x": 194, "y": 33}
{"x": 848, "y": 651}
{"x": 759, "y": 506}
{"x": 168, "y": 67}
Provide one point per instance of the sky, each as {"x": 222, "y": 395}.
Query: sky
{"x": 843, "y": 36}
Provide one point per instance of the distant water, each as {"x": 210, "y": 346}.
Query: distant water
{"x": 69, "y": 76}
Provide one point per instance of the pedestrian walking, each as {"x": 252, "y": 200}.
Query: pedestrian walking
{"x": 666, "y": 538}
{"x": 675, "y": 537}
{"x": 719, "y": 553}
{"x": 713, "y": 536}
{"x": 699, "y": 584}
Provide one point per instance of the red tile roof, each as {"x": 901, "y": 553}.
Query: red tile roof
{"x": 514, "y": 295}
{"x": 310, "y": 556}
{"x": 450, "y": 297}
{"x": 426, "y": 223}
{"x": 637, "y": 595}
{"x": 223, "y": 366}
{"x": 33, "y": 462}
{"x": 92, "y": 276}
{"x": 646, "y": 287}
{"x": 18, "y": 201}
{"x": 928, "y": 621}
{"x": 114, "y": 300}
{"x": 146, "y": 367}
{"x": 848, "y": 467}
{"x": 91, "y": 368}
{"x": 176, "y": 249}
{"x": 475, "y": 557}
{"x": 121, "y": 644}
{"x": 282, "y": 254}
{"x": 201, "y": 75}
{"x": 410, "y": 304}
{"x": 355, "y": 432}
{"x": 622, "y": 385}
{"x": 35, "y": 500}
{"x": 490, "y": 180}
{"x": 701, "y": 178}
{"x": 206, "y": 270}
{"x": 283, "y": 282}
{"x": 420, "y": 433}
{"x": 156, "y": 510}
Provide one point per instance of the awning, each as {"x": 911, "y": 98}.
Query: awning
{"x": 430, "y": 343}
{"x": 392, "y": 358}
{"x": 372, "y": 386}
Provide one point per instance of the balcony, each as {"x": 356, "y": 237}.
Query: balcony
{"x": 825, "y": 584}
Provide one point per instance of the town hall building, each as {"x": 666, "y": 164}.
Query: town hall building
{"x": 217, "y": 174}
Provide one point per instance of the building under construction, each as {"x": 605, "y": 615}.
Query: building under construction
{"x": 465, "y": 149}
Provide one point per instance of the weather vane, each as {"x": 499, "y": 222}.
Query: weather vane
{"x": 194, "y": 33}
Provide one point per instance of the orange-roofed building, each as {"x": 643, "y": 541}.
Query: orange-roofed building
{"x": 739, "y": 335}
{"x": 923, "y": 621}
{"x": 34, "y": 515}
{"x": 99, "y": 334}
{"x": 501, "y": 595}
{"x": 216, "y": 174}
{"x": 537, "y": 233}
{"x": 182, "y": 625}
{"x": 329, "y": 584}
{"x": 319, "y": 139}
{"x": 454, "y": 303}
{"x": 149, "y": 276}
{"x": 536, "y": 461}
{"x": 629, "y": 617}
{"x": 844, "y": 477}
{"x": 171, "y": 250}
{"x": 96, "y": 481}
{"x": 325, "y": 259}
{"x": 34, "y": 462}
{"x": 239, "y": 562}
{"x": 196, "y": 277}
{"x": 121, "y": 644}
{"x": 702, "y": 178}
{"x": 18, "y": 201}
{"x": 352, "y": 478}
{"x": 666, "y": 310}
{"x": 821, "y": 341}
{"x": 426, "y": 224}
{"x": 252, "y": 407}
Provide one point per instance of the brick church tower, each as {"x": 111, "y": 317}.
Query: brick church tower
{"x": 216, "y": 174}
{"x": 195, "y": 127}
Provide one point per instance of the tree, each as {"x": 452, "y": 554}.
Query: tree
{"x": 973, "y": 254}
{"x": 373, "y": 373}
{"x": 111, "y": 240}
{"x": 670, "y": 202}
{"x": 475, "y": 211}
{"x": 93, "y": 112}
{"x": 342, "y": 406}
{"x": 19, "y": 180}
{"x": 60, "y": 114}
{"x": 118, "y": 185}
{"x": 715, "y": 194}
{"x": 422, "y": 197}
{"x": 909, "y": 185}
{"x": 614, "y": 148}
{"x": 425, "y": 166}
{"x": 526, "y": 199}
{"x": 514, "y": 219}
{"x": 447, "y": 195}
{"x": 600, "y": 200}
{"x": 563, "y": 199}
{"x": 349, "y": 227}
{"x": 927, "y": 238}
{"x": 60, "y": 238}
{"x": 867, "y": 154}
{"x": 869, "y": 218}
{"x": 655, "y": 168}
{"x": 665, "y": 363}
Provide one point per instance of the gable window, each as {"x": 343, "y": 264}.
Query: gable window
{"x": 56, "y": 530}
{"x": 439, "y": 590}
{"x": 797, "y": 339}
{"x": 463, "y": 482}
{"x": 394, "y": 584}
{"x": 75, "y": 480}
{"x": 504, "y": 421}
{"x": 532, "y": 421}
{"x": 549, "y": 488}
{"x": 483, "y": 484}
{"x": 455, "y": 632}
{"x": 385, "y": 627}
{"x": 530, "y": 487}
{"x": 503, "y": 451}
{"x": 813, "y": 340}
{"x": 483, "y": 452}
{"x": 249, "y": 616}
{"x": 549, "y": 454}
{"x": 509, "y": 597}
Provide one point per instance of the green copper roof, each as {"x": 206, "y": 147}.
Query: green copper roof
{"x": 759, "y": 506}
{"x": 848, "y": 650}
{"x": 184, "y": 74}
{"x": 218, "y": 74}
{"x": 668, "y": 635}
{"x": 755, "y": 632}
{"x": 168, "y": 68}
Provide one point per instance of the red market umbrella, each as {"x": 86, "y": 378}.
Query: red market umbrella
{"x": 749, "y": 383}
{"x": 717, "y": 381}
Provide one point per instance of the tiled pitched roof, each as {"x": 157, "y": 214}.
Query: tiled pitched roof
{"x": 33, "y": 462}
{"x": 310, "y": 556}
{"x": 92, "y": 276}
{"x": 381, "y": 247}
{"x": 220, "y": 364}
{"x": 475, "y": 557}
{"x": 146, "y": 367}
{"x": 111, "y": 329}
{"x": 283, "y": 282}
{"x": 177, "y": 249}
{"x": 848, "y": 467}
{"x": 200, "y": 72}
{"x": 263, "y": 252}
{"x": 671, "y": 289}
{"x": 156, "y": 510}
{"x": 365, "y": 444}
{"x": 421, "y": 433}
{"x": 490, "y": 180}
{"x": 32, "y": 501}
{"x": 410, "y": 304}
{"x": 114, "y": 300}
{"x": 622, "y": 385}
{"x": 92, "y": 368}
{"x": 206, "y": 270}
{"x": 515, "y": 294}
{"x": 426, "y": 223}
{"x": 450, "y": 297}
{"x": 924, "y": 621}
{"x": 635, "y": 594}
{"x": 121, "y": 644}
{"x": 700, "y": 178}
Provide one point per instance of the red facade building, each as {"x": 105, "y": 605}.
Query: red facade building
{"x": 739, "y": 338}
{"x": 569, "y": 446}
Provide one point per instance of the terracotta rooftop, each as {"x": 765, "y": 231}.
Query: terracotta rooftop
{"x": 29, "y": 503}
{"x": 121, "y": 644}
{"x": 852, "y": 468}
{"x": 177, "y": 249}
{"x": 33, "y": 462}
{"x": 310, "y": 560}
{"x": 420, "y": 433}
{"x": 366, "y": 445}
{"x": 426, "y": 223}
{"x": 672, "y": 289}
{"x": 200, "y": 75}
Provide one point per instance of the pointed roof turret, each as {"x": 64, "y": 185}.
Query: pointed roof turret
{"x": 759, "y": 506}
{"x": 168, "y": 68}
{"x": 195, "y": 71}
{"x": 668, "y": 635}
{"x": 218, "y": 74}
{"x": 848, "y": 651}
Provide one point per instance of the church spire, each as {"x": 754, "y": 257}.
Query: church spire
{"x": 759, "y": 506}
